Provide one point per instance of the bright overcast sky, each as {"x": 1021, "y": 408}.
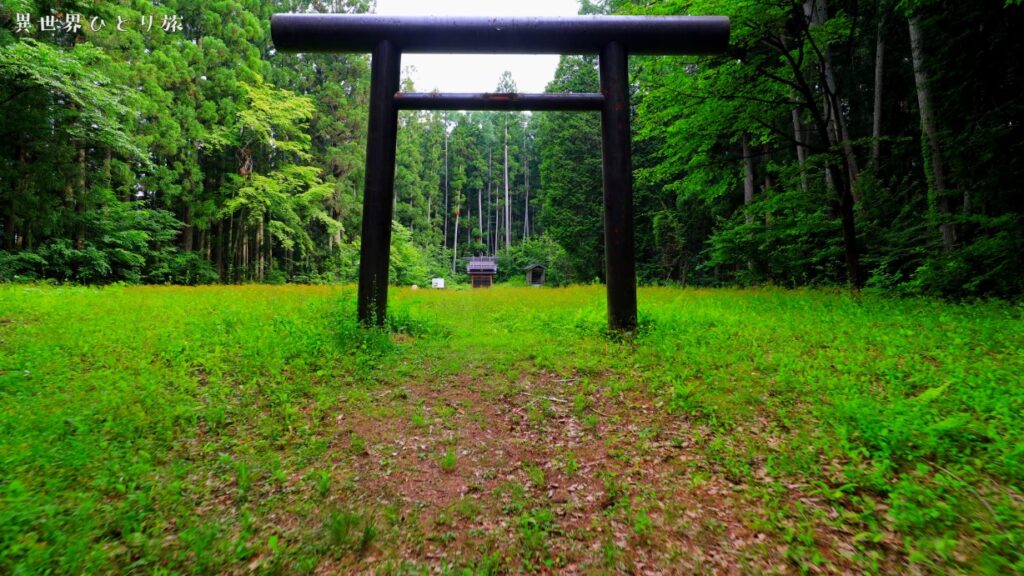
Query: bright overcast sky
{"x": 478, "y": 72}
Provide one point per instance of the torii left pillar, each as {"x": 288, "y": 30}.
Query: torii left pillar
{"x": 378, "y": 198}
{"x": 617, "y": 174}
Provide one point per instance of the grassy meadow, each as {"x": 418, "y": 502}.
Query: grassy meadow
{"x": 257, "y": 429}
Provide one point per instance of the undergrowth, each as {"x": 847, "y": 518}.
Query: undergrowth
{"x": 147, "y": 429}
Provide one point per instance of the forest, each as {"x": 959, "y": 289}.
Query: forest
{"x": 837, "y": 143}
{"x": 824, "y": 376}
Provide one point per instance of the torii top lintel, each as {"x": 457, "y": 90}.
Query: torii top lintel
{"x": 479, "y": 35}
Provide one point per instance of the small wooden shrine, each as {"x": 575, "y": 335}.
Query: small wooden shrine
{"x": 535, "y": 274}
{"x": 482, "y": 270}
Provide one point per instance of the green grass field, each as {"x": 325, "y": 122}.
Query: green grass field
{"x": 256, "y": 429}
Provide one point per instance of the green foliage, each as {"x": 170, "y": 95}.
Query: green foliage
{"x": 989, "y": 266}
{"x": 693, "y": 113}
{"x": 534, "y": 529}
{"x": 187, "y": 269}
{"x": 408, "y": 262}
{"x": 259, "y": 154}
{"x": 20, "y": 266}
{"x": 795, "y": 241}
{"x": 88, "y": 106}
{"x": 348, "y": 531}
{"x": 198, "y": 417}
{"x": 570, "y": 168}
{"x": 448, "y": 460}
{"x": 541, "y": 250}
{"x": 275, "y": 118}
{"x": 132, "y": 245}
{"x": 196, "y": 123}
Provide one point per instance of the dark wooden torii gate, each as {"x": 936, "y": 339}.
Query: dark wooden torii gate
{"x": 611, "y": 37}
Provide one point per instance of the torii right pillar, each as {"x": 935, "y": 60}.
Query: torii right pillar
{"x": 617, "y": 168}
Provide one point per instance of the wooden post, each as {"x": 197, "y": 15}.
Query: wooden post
{"x": 379, "y": 190}
{"x": 620, "y": 267}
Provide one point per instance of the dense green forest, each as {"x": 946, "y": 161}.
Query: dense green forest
{"x": 862, "y": 143}
{"x": 743, "y": 427}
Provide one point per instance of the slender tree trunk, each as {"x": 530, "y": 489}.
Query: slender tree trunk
{"x": 932, "y": 154}
{"x": 851, "y": 157}
{"x": 496, "y": 202}
{"x": 490, "y": 202}
{"x": 259, "y": 250}
{"x": 526, "y": 186}
{"x": 844, "y": 189}
{"x": 235, "y": 255}
{"x": 231, "y": 255}
{"x": 10, "y": 235}
{"x": 835, "y": 176}
{"x": 186, "y": 232}
{"x": 480, "y": 211}
{"x": 769, "y": 182}
{"x": 245, "y": 248}
{"x": 508, "y": 205}
{"x": 219, "y": 250}
{"x": 836, "y": 173}
{"x": 234, "y": 249}
{"x": 204, "y": 243}
{"x": 455, "y": 244}
{"x": 801, "y": 151}
{"x": 852, "y": 253}
{"x": 833, "y": 111}
{"x": 876, "y": 119}
{"x": 80, "y": 202}
{"x": 222, "y": 237}
{"x": 238, "y": 231}
{"x": 107, "y": 179}
{"x": 748, "y": 176}
{"x": 748, "y": 185}
{"x": 268, "y": 248}
{"x": 445, "y": 244}
{"x": 337, "y": 216}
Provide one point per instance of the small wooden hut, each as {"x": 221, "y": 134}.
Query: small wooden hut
{"x": 535, "y": 274}
{"x": 481, "y": 271}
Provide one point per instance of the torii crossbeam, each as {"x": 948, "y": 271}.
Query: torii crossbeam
{"x": 611, "y": 37}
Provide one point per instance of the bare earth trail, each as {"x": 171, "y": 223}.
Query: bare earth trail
{"x": 540, "y": 480}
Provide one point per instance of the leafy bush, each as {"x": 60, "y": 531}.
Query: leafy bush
{"x": 537, "y": 250}
{"x": 23, "y": 266}
{"x": 65, "y": 263}
{"x": 989, "y": 265}
{"x": 791, "y": 240}
{"x": 188, "y": 268}
{"x": 123, "y": 243}
{"x": 408, "y": 261}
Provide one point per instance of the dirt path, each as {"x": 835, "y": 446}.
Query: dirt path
{"x": 541, "y": 477}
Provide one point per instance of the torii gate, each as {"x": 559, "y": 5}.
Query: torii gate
{"x": 611, "y": 37}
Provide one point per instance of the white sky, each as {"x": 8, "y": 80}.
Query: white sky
{"x": 478, "y": 72}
